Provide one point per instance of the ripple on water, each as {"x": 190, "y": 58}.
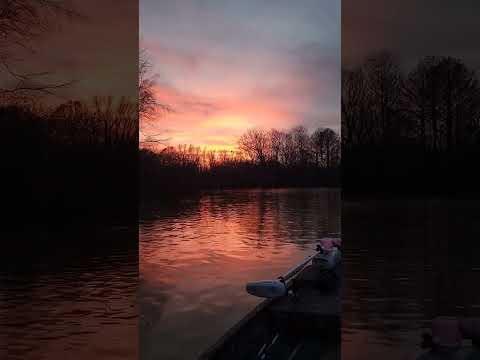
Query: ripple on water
{"x": 72, "y": 305}
{"x": 208, "y": 254}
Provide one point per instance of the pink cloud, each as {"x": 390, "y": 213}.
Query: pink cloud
{"x": 224, "y": 70}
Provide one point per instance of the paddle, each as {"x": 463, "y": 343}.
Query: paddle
{"x": 277, "y": 288}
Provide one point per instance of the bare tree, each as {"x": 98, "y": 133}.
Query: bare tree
{"x": 149, "y": 108}
{"x": 275, "y": 139}
{"x": 332, "y": 147}
{"x": 442, "y": 98}
{"x": 148, "y": 105}
{"x": 355, "y": 108}
{"x": 255, "y": 144}
{"x": 21, "y": 22}
{"x": 384, "y": 83}
{"x": 317, "y": 141}
{"x": 302, "y": 144}
{"x": 103, "y": 121}
{"x": 326, "y": 147}
{"x": 288, "y": 151}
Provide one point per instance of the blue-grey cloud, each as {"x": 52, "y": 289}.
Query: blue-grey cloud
{"x": 264, "y": 62}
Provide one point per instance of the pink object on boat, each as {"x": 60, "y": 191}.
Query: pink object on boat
{"x": 329, "y": 244}
{"x": 446, "y": 332}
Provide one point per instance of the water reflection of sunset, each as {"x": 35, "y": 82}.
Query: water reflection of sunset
{"x": 197, "y": 258}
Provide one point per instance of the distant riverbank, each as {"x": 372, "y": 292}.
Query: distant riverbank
{"x": 173, "y": 183}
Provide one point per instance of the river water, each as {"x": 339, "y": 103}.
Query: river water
{"x": 405, "y": 261}
{"x": 196, "y": 257}
{"x": 69, "y": 293}
{"x": 84, "y": 295}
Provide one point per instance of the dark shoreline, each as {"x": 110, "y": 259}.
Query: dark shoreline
{"x": 174, "y": 197}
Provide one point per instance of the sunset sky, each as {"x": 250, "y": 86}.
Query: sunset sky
{"x": 225, "y": 66}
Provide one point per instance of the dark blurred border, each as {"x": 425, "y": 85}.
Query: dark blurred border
{"x": 410, "y": 177}
{"x": 69, "y": 170}
{"x": 410, "y": 98}
{"x": 69, "y": 113}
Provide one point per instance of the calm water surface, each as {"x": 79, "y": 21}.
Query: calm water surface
{"x": 405, "y": 262}
{"x": 75, "y": 298}
{"x": 196, "y": 257}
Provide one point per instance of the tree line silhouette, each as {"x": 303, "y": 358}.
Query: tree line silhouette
{"x": 62, "y": 163}
{"x": 72, "y": 161}
{"x": 416, "y": 130}
{"x": 264, "y": 158}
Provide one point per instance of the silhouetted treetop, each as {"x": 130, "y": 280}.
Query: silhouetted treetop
{"x": 265, "y": 158}
{"x": 420, "y": 126}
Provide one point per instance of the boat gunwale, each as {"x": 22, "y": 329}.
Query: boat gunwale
{"x": 232, "y": 331}
{"x": 213, "y": 349}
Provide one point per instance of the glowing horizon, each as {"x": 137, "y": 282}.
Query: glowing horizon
{"x": 224, "y": 67}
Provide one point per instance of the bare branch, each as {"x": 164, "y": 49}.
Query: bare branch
{"x": 21, "y": 21}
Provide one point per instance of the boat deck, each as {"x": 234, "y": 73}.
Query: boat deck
{"x": 305, "y": 327}
{"x": 311, "y": 300}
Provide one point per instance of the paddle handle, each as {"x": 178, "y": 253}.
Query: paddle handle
{"x": 297, "y": 269}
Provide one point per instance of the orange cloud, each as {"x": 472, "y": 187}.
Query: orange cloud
{"x": 201, "y": 121}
